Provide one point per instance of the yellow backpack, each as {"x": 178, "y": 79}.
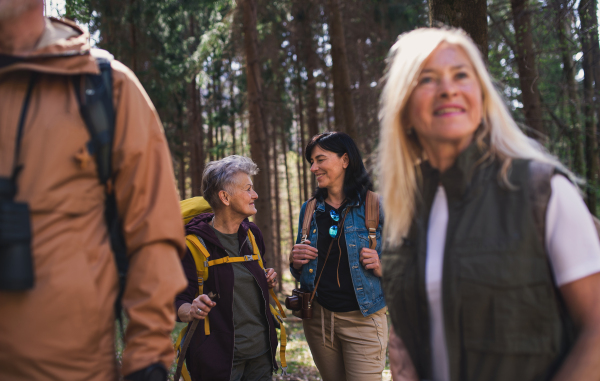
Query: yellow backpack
{"x": 191, "y": 208}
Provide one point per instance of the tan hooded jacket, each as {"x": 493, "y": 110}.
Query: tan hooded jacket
{"x": 64, "y": 328}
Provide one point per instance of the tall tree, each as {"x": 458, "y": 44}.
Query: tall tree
{"x": 564, "y": 34}
{"x": 470, "y": 15}
{"x": 343, "y": 109}
{"x": 591, "y": 146}
{"x": 195, "y": 131}
{"x": 232, "y": 108}
{"x": 257, "y": 131}
{"x": 528, "y": 72}
{"x": 304, "y": 11}
{"x": 301, "y": 131}
{"x": 196, "y": 138}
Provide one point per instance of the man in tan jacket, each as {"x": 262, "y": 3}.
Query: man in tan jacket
{"x": 64, "y": 327}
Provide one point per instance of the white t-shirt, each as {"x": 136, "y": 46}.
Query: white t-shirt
{"x": 571, "y": 243}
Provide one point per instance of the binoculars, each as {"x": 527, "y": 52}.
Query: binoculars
{"x": 300, "y": 304}
{"x": 16, "y": 261}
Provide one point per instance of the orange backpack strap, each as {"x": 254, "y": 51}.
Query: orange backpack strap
{"x": 372, "y": 217}
{"x": 308, "y": 214}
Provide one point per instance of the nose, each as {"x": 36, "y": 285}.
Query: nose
{"x": 254, "y": 194}
{"x": 447, "y": 87}
{"x": 313, "y": 167}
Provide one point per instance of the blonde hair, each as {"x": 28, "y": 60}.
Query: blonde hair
{"x": 400, "y": 153}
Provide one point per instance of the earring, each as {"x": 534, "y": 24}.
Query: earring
{"x": 410, "y": 131}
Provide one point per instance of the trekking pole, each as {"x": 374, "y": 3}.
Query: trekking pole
{"x": 188, "y": 338}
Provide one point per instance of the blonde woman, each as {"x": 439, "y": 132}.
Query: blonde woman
{"x": 491, "y": 266}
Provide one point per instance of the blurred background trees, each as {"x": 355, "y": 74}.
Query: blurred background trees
{"x": 260, "y": 77}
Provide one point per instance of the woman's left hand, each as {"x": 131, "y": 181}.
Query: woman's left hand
{"x": 370, "y": 260}
{"x": 271, "y": 277}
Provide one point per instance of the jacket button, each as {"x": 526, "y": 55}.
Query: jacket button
{"x": 314, "y": 231}
{"x": 310, "y": 271}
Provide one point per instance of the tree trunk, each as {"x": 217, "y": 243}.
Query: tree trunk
{"x": 563, "y": 28}
{"x": 470, "y": 15}
{"x": 592, "y": 7}
{"x": 286, "y": 149}
{"x": 528, "y": 73}
{"x": 132, "y": 32}
{"x": 307, "y": 52}
{"x": 216, "y": 119}
{"x": 278, "y": 263}
{"x": 302, "y": 140}
{"x": 309, "y": 58}
{"x": 232, "y": 107}
{"x": 211, "y": 127}
{"x": 591, "y": 153}
{"x": 181, "y": 176}
{"x": 299, "y": 158}
{"x": 195, "y": 131}
{"x": 257, "y": 127}
{"x": 343, "y": 108}
{"x": 327, "y": 110}
{"x": 196, "y": 139}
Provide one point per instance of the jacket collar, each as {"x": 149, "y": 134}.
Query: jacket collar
{"x": 320, "y": 207}
{"x": 199, "y": 225}
{"x": 460, "y": 176}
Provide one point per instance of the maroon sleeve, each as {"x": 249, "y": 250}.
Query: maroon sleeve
{"x": 188, "y": 295}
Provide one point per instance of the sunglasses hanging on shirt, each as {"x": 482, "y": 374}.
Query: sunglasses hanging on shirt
{"x": 333, "y": 230}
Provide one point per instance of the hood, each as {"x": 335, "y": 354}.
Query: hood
{"x": 64, "y": 48}
{"x": 200, "y": 227}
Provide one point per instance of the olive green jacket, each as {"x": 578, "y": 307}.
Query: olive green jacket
{"x": 503, "y": 316}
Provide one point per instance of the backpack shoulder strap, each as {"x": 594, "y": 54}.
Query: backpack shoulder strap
{"x": 94, "y": 93}
{"x": 200, "y": 254}
{"x": 279, "y": 315}
{"x": 540, "y": 191}
{"x": 308, "y": 214}
{"x": 372, "y": 217}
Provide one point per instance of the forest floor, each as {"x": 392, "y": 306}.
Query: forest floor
{"x": 301, "y": 366}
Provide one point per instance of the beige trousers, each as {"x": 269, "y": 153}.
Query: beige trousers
{"x": 346, "y": 346}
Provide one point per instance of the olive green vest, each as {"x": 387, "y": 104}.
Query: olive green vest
{"x": 503, "y": 316}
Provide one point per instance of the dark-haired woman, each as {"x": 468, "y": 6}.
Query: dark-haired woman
{"x": 347, "y": 334}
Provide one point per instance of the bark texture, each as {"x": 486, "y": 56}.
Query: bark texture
{"x": 304, "y": 10}
{"x": 470, "y": 15}
{"x": 196, "y": 139}
{"x": 564, "y": 34}
{"x": 257, "y": 131}
{"x": 343, "y": 108}
{"x": 528, "y": 73}
{"x": 591, "y": 153}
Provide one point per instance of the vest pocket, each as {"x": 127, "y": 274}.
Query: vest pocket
{"x": 507, "y": 304}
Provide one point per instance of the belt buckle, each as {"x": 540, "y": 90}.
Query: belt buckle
{"x": 247, "y": 258}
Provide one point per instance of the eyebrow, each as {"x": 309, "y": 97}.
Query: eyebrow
{"x": 453, "y": 68}
{"x": 318, "y": 156}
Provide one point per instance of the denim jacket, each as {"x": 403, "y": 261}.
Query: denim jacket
{"x": 367, "y": 286}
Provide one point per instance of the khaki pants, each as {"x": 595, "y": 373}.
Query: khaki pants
{"x": 346, "y": 346}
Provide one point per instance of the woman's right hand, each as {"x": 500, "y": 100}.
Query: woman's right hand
{"x": 200, "y": 307}
{"x": 302, "y": 253}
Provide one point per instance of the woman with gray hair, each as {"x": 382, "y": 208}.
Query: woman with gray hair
{"x": 241, "y": 342}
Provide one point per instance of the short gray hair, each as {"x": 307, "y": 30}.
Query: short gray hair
{"x": 218, "y": 176}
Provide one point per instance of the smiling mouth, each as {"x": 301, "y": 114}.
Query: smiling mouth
{"x": 448, "y": 110}
{"x": 321, "y": 175}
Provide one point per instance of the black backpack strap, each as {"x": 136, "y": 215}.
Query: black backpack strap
{"x": 95, "y": 96}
